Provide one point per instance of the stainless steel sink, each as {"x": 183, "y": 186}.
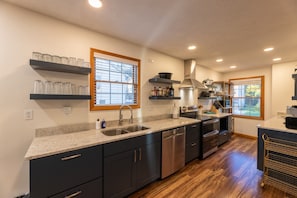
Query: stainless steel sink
{"x": 124, "y": 130}
{"x": 135, "y": 128}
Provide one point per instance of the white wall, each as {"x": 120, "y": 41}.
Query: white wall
{"x": 23, "y": 32}
{"x": 248, "y": 126}
{"x": 283, "y": 86}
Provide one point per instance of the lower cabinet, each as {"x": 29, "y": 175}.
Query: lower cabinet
{"x": 77, "y": 172}
{"x": 193, "y": 133}
{"x": 131, "y": 164}
{"x": 88, "y": 190}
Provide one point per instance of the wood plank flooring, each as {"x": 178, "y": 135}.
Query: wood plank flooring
{"x": 231, "y": 172}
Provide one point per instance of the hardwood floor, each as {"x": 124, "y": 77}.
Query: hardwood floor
{"x": 231, "y": 172}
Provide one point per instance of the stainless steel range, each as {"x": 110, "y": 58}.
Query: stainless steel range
{"x": 210, "y": 129}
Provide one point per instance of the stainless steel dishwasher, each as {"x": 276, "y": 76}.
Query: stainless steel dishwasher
{"x": 173, "y": 151}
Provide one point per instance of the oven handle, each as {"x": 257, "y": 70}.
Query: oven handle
{"x": 210, "y": 121}
{"x": 212, "y": 133}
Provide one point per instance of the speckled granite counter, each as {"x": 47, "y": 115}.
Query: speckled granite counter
{"x": 50, "y": 145}
{"x": 277, "y": 124}
{"x": 218, "y": 115}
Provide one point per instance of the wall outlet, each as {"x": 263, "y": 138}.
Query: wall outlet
{"x": 67, "y": 110}
{"x": 28, "y": 114}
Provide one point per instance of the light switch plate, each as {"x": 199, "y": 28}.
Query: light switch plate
{"x": 67, "y": 110}
{"x": 28, "y": 114}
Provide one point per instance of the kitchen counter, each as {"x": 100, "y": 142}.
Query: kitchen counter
{"x": 50, "y": 145}
{"x": 277, "y": 124}
{"x": 217, "y": 115}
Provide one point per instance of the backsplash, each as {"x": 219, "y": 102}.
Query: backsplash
{"x": 72, "y": 128}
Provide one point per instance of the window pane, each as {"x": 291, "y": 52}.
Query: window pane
{"x": 102, "y": 87}
{"x": 116, "y": 88}
{"x": 115, "y": 80}
{"x": 102, "y": 75}
{"x": 246, "y": 99}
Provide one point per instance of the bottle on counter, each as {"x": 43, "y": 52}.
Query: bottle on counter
{"x": 171, "y": 91}
{"x": 175, "y": 111}
{"x": 103, "y": 124}
{"x": 98, "y": 124}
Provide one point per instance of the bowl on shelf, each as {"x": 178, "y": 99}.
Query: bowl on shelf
{"x": 165, "y": 75}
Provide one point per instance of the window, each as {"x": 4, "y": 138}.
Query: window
{"x": 248, "y": 97}
{"x": 114, "y": 80}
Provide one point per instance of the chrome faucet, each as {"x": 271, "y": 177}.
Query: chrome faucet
{"x": 121, "y": 115}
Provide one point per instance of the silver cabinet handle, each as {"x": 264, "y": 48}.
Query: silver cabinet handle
{"x": 74, "y": 194}
{"x": 140, "y": 154}
{"x": 70, "y": 157}
{"x": 135, "y": 153}
{"x": 179, "y": 134}
{"x": 193, "y": 144}
{"x": 194, "y": 126}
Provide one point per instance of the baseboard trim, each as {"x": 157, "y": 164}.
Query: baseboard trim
{"x": 245, "y": 136}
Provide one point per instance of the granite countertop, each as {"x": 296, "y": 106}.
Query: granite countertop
{"x": 217, "y": 115}
{"x": 277, "y": 124}
{"x": 50, "y": 145}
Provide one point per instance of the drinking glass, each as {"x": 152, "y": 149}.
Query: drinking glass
{"x": 48, "y": 87}
{"x": 58, "y": 88}
{"x": 38, "y": 87}
{"x": 72, "y": 61}
{"x": 67, "y": 88}
{"x": 36, "y": 55}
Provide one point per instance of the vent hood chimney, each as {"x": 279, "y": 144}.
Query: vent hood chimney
{"x": 190, "y": 73}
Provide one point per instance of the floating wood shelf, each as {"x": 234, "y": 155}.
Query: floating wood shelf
{"x": 49, "y": 66}
{"x": 58, "y": 97}
{"x": 164, "y": 98}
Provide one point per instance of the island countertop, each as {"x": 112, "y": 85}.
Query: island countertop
{"x": 54, "y": 144}
{"x": 277, "y": 124}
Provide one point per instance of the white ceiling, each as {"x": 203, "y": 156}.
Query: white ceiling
{"x": 235, "y": 30}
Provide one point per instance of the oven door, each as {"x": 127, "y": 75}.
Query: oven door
{"x": 210, "y": 143}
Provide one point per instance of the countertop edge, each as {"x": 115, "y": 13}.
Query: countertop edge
{"x": 52, "y": 145}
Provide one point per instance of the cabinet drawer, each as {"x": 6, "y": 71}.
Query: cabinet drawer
{"x": 90, "y": 189}
{"x": 129, "y": 144}
{"x": 192, "y": 132}
{"x": 56, "y": 173}
{"x": 192, "y": 151}
{"x": 224, "y": 136}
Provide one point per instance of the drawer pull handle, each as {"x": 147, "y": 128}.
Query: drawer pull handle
{"x": 70, "y": 157}
{"x": 194, "y": 126}
{"x": 135, "y": 153}
{"x": 193, "y": 144}
{"x": 140, "y": 154}
{"x": 73, "y": 195}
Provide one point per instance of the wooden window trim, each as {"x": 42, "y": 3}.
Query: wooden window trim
{"x": 262, "y": 112}
{"x": 93, "y": 107}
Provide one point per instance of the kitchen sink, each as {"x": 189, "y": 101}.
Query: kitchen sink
{"x": 124, "y": 130}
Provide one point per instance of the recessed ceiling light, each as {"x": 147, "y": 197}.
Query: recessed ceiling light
{"x": 219, "y": 60}
{"x": 277, "y": 59}
{"x": 268, "y": 49}
{"x": 233, "y": 66}
{"x": 192, "y": 47}
{"x": 95, "y": 3}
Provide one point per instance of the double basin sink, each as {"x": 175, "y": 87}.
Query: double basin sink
{"x": 124, "y": 130}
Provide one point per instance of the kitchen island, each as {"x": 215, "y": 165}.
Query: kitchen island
{"x": 274, "y": 128}
{"x": 277, "y": 155}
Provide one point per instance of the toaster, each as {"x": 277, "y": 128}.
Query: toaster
{"x": 291, "y": 122}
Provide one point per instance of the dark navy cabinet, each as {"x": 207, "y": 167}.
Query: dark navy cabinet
{"x": 77, "y": 172}
{"x": 131, "y": 164}
{"x": 193, "y": 134}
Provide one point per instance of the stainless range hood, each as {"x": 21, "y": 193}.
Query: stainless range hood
{"x": 190, "y": 72}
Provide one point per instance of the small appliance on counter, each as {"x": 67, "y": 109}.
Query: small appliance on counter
{"x": 291, "y": 121}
